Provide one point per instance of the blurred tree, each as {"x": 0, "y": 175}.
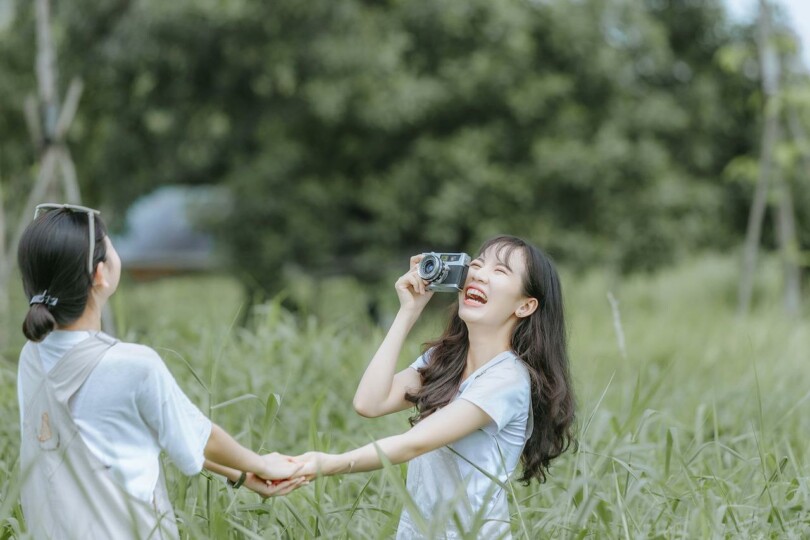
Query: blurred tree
{"x": 352, "y": 133}
{"x": 48, "y": 122}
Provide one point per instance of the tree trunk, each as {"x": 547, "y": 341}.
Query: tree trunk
{"x": 46, "y": 67}
{"x": 799, "y": 135}
{"x": 800, "y": 139}
{"x": 5, "y": 270}
{"x": 47, "y": 170}
{"x": 769, "y": 66}
{"x": 789, "y": 249}
{"x": 70, "y": 182}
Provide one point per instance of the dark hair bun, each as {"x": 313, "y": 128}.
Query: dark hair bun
{"x": 52, "y": 257}
{"x": 38, "y": 323}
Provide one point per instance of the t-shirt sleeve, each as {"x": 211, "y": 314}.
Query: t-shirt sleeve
{"x": 422, "y": 361}
{"x": 419, "y": 363}
{"x": 182, "y": 430}
{"x": 503, "y": 393}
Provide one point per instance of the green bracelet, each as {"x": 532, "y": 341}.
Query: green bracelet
{"x": 238, "y": 483}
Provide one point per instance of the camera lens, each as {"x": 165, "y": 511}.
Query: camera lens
{"x": 431, "y": 268}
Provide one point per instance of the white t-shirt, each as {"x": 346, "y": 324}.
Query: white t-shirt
{"x": 129, "y": 410}
{"x": 448, "y": 480}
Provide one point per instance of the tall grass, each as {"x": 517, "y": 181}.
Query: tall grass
{"x": 695, "y": 428}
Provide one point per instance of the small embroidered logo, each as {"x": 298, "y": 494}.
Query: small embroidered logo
{"x": 48, "y": 438}
{"x": 45, "y": 429}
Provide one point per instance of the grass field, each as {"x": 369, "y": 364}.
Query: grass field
{"x": 692, "y": 423}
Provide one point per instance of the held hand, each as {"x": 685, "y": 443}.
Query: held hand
{"x": 314, "y": 464}
{"x": 279, "y": 467}
{"x": 411, "y": 289}
{"x": 270, "y": 488}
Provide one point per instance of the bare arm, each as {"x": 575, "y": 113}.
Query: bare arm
{"x": 222, "y": 449}
{"x": 380, "y": 390}
{"x": 449, "y": 424}
{"x": 265, "y": 488}
{"x": 229, "y": 473}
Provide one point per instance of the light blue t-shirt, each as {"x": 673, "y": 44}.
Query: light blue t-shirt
{"x": 448, "y": 480}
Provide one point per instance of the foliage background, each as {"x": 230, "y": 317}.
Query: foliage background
{"x": 612, "y": 132}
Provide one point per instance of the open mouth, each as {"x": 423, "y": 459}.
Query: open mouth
{"x": 474, "y": 296}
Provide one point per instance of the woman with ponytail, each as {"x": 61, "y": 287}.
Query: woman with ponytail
{"x": 97, "y": 413}
{"x": 492, "y": 391}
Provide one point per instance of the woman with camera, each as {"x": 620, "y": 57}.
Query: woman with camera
{"x": 494, "y": 389}
{"x": 96, "y": 413}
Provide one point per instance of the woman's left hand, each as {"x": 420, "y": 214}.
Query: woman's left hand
{"x": 316, "y": 463}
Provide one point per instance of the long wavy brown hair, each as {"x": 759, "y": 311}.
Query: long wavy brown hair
{"x": 539, "y": 340}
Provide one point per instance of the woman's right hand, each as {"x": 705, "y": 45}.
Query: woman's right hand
{"x": 412, "y": 289}
{"x": 273, "y": 488}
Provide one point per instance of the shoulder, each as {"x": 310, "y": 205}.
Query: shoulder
{"x": 135, "y": 358}
{"x": 511, "y": 369}
{"x": 27, "y": 350}
{"x": 502, "y": 390}
{"x": 134, "y": 352}
{"x": 26, "y": 356}
{"x": 507, "y": 380}
{"x": 143, "y": 367}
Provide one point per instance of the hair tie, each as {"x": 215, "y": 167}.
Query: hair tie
{"x": 44, "y": 298}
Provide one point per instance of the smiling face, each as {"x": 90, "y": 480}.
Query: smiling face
{"x": 493, "y": 293}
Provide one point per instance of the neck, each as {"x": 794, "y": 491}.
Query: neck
{"x": 486, "y": 344}
{"x": 90, "y": 320}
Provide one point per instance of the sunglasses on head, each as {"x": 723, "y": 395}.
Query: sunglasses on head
{"x": 91, "y": 222}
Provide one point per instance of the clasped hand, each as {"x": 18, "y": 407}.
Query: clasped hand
{"x": 284, "y": 474}
{"x": 281, "y": 475}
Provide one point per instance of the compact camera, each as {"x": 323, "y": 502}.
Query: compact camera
{"x": 446, "y": 272}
